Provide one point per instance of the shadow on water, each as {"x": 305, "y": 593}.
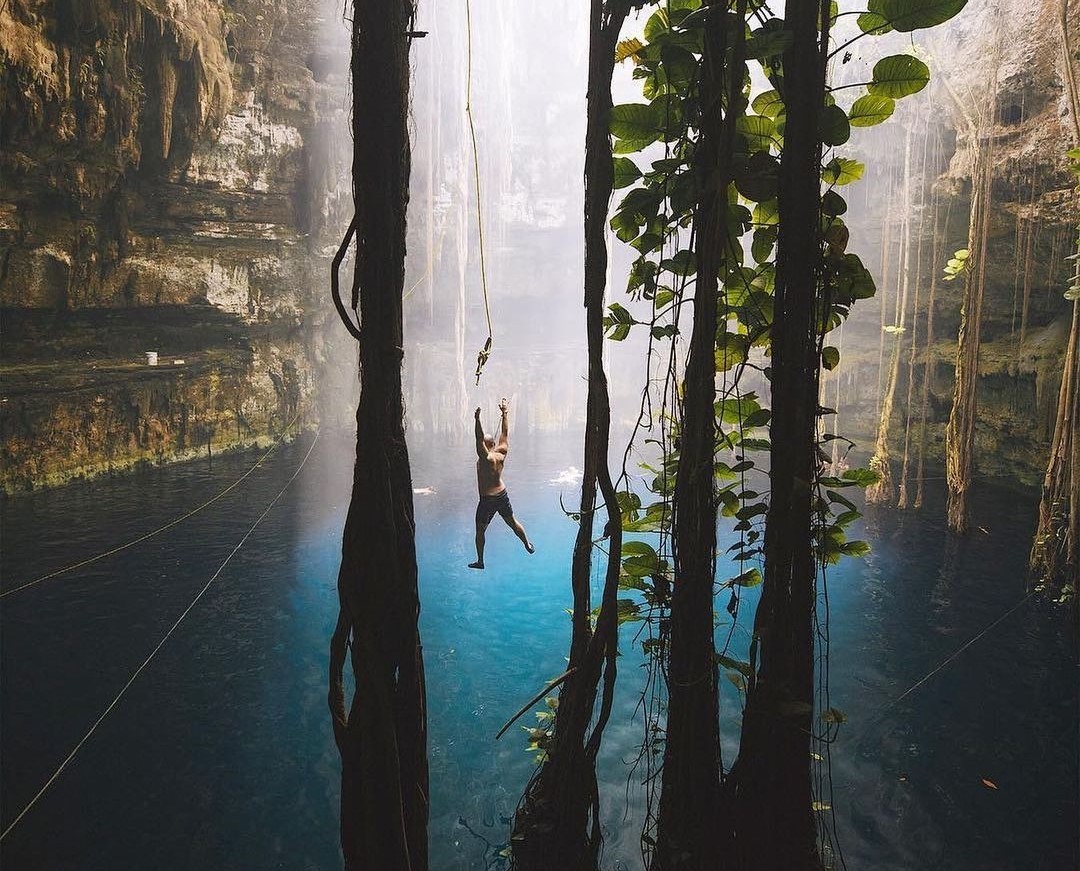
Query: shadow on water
{"x": 220, "y": 754}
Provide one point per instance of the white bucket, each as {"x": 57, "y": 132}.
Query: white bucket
{"x": 151, "y": 358}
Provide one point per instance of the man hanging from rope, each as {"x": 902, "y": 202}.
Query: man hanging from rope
{"x": 493, "y": 495}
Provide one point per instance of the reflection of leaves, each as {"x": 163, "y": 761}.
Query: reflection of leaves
{"x": 749, "y": 578}
{"x": 734, "y": 664}
{"x": 834, "y": 716}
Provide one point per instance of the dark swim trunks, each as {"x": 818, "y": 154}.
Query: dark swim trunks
{"x": 489, "y": 506}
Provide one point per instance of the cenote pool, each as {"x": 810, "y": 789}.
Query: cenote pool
{"x": 220, "y": 756}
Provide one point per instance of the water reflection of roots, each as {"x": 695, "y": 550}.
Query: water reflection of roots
{"x": 496, "y": 856}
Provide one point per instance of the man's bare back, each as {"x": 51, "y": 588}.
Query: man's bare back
{"x": 490, "y": 458}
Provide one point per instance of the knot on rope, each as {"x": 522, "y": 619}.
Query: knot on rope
{"x": 482, "y": 358}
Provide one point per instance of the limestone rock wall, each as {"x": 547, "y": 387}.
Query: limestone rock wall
{"x": 1000, "y": 86}
{"x": 172, "y": 178}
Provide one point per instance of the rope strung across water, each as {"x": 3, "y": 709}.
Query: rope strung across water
{"x": 56, "y": 774}
{"x": 947, "y": 661}
{"x": 485, "y": 352}
{"x": 154, "y": 532}
{"x": 934, "y": 671}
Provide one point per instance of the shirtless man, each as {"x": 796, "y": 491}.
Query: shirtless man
{"x": 493, "y": 495}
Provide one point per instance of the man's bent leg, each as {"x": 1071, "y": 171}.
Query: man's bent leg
{"x": 519, "y": 531}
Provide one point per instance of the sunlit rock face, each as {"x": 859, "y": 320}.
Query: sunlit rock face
{"x": 172, "y": 175}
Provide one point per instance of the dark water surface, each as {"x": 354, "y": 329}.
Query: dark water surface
{"x": 219, "y": 755}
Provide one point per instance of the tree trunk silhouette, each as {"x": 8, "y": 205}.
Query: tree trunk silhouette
{"x": 382, "y": 739}
{"x": 688, "y": 828}
{"x": 557, "y": 823}
{"x": 771, "y": 791}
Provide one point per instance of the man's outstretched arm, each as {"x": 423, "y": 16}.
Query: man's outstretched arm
{"x": 481, "y": 449}
{"x": 504, "y": 431}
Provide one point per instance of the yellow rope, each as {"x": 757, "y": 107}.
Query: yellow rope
{"x": 152, "y": 533}
{"x": 485, "y": 352}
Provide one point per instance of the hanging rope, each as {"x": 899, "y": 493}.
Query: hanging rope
{"x": 485, "y": 352}
{"x": 160, "y": 644}
{"x": 160, "y": 529}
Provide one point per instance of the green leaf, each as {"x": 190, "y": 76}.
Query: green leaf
{"x": 625, "y": 225}
{"x": 657, "y": 24}
{"x": 898, "y": 76}
{"x": 861, "y": 477}
{"x": 874, "y": 24}
{"x": 757, "y": 181}
{"x": 908, "y": 15}
{"x": 832, "y": 204}
{"x": 769, "y": 42}
{"x": 731, "y": 350}
{"x": 834, "y": 126}
{"x": 757, "y": 129}
{"x": 842, "y": 170}
{"x": 626, "y": 172}
{"x": 680, "y": 263}
{"x": 733, "y": 410}
{"x": 760, "y": 417}
{"x": 768, "y": 103}
{"x": 870, "y": 110}
{"x": 762, "y": 246}
{"x": 768, "y": 213}
{"x": 635, "y": 122}
{"x": 830, "y": 357}
{"x": 855, "y": 548}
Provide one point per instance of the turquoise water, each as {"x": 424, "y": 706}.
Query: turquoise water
{"x": 219, "y": 755}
